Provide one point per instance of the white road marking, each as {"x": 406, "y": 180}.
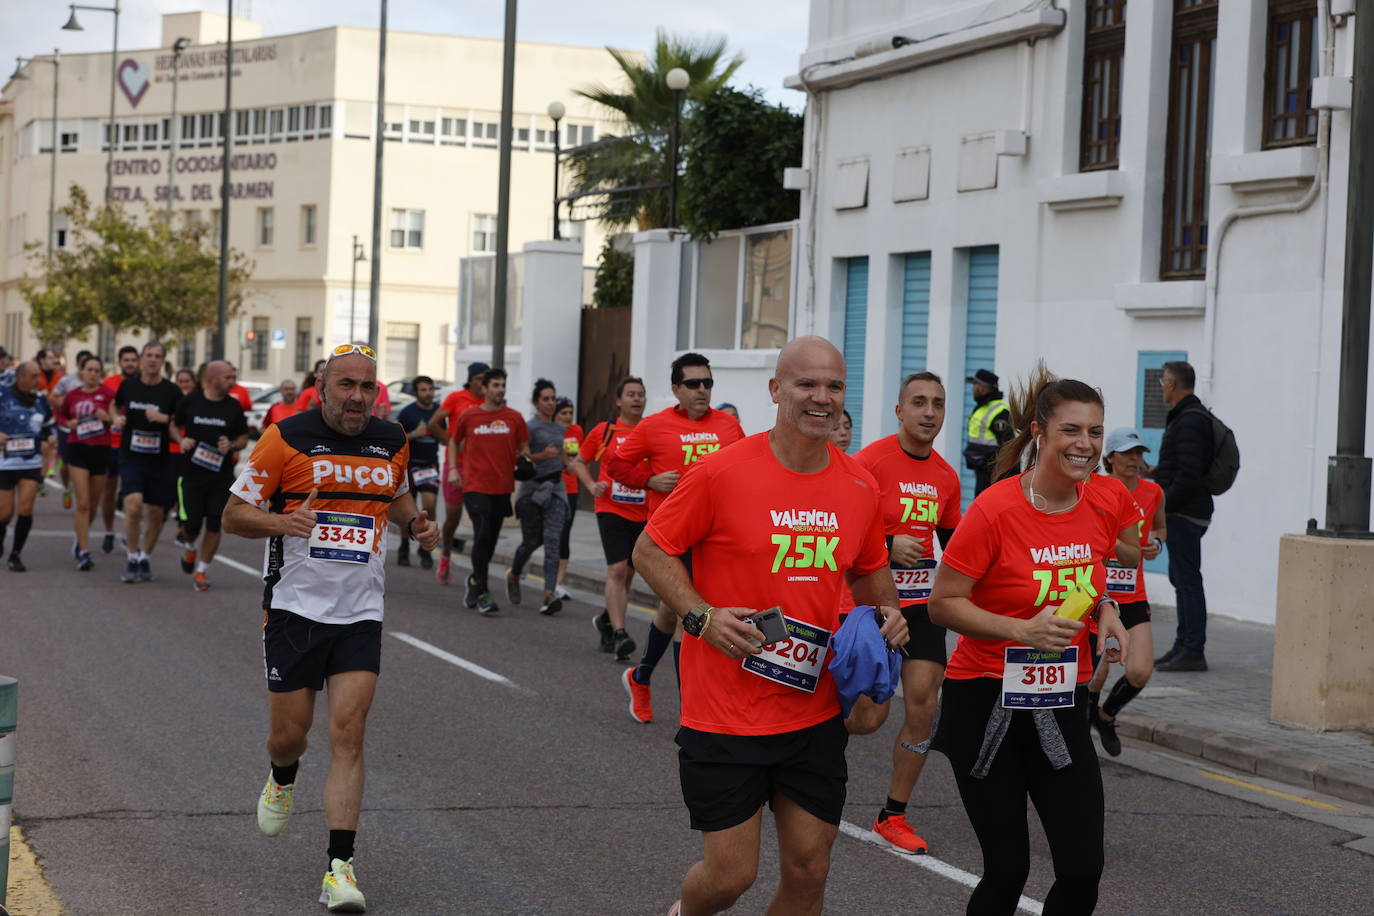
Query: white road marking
{"x": 930, "y": 863}
{"x": 452, "y": 659}
{"x": 254, "y": 571}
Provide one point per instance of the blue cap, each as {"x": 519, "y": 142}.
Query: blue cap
{"x": 561, "y": 403}
{"x": 1123, "y": 439}
{"x": 476, "y": 369}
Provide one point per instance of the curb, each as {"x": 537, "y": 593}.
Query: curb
{"x": 1258, "y": 758}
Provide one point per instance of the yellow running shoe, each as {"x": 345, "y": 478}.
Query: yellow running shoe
{"x": 274, "y": 806}
{"x": 339, "y": 890}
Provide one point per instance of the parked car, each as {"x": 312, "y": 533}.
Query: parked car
{"x": 262, "y": 402}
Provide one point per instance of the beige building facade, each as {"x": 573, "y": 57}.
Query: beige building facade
{"x": 301, "y": 174}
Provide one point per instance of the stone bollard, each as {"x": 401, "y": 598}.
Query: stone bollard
{"x": 9, "y": 719}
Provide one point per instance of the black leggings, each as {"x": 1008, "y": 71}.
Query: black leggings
{"x": 564, "y": 542}
{"x": 486, "y": 511}
{"x": 1069, "y": 801}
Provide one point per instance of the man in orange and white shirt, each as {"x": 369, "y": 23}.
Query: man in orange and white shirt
{"x": 329, "y": 482}
{"x": 654, "y": 457}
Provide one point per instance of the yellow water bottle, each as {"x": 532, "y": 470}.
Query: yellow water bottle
{"x": 1077, "y": 604}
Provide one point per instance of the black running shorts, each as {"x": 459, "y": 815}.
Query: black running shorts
{"x": 156, "y": 483}
{"x": 1135, "y": 613}
{"x": 301, "y": 653}
{"x": 927, "y": 642}
{"x": 726, "y": 779}
{"x": 618, "y": 536}
{"x": 201, "y": 500}
{"x": 92, "y": 458}
{"x": 10, "y": 479}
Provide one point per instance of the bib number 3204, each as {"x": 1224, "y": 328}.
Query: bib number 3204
{"x": 795, "y": 662}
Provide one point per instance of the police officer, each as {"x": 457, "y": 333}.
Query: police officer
{"x": 989, "y": 427}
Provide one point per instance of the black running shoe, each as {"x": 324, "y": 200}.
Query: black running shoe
{"x": 602, "y": 622}
{"x": 145, "y": 571}
{"x": 471, "y": 597}
{"x": 1107, "y": 732}
{"x": 458, "y": 544}
{"x": 426, "y": 559}
{"x": 130, "y": 573}
{"x": 624, "y": 646}
{"x": 485, "y": 604}
{"x": 403, "y": 554}
{"x": 84, "y": 561}
{"x": 552, "y": 605}
{"x": 107, "y": 545}
{"x": 513, "y": 589}
{"x": 15, "y": 564}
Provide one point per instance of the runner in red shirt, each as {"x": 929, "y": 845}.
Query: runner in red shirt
{"x": 310, "y": 396}
{"x": 1124, "y": 458}
{"x": 85, "y": 412}
{"x": 128, "y": 368}
{"x": 785, "y": 520}
{"x": 283, "y": 408}
{"x": 620, "y": 513}
{"x": 1011, "y": 717}
{"x": 654, "y": 457}
{"x": 920, "y": 499}
{"x": 572, "y": 443}
{"x": 490, "y": 437}
{"x": 455, "y": 403}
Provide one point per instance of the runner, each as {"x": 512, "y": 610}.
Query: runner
{"x": 25, "y": 432}
{"x": 283, "y": 408}
{"x": 310, "y": 396}
{"x": 455, "y": 404}
{"x": 330, "y": 480}
{"x": 490, "y": 437}
{"x": 1011, "y": 716}
{"x": 128, "y": 368}
{"x": 541, "y": 503}
{"x": 573, "y": 434}
{"x": 49, "y": 375}
{"x": 86, "y": 414}
{"x": 620, "y": 513}
{"x": 417, "y": 419}
{"x": 762, "y": 723}
{"x": 210, "y": 426}
{"x": 1124, "y": 458}
{"x": 56, "y": 395}
{"x": 147, "y": 477}
{"x": 654, "y": 456}
{"x": 920, "y": 499}
{"x": 843, "y": 434}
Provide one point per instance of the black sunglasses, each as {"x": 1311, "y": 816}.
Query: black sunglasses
{"x": 695, "y": 383}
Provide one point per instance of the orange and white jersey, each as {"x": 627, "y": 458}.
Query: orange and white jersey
{"x": 338, "y": 575}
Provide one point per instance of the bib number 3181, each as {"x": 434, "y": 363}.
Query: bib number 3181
{"x": 1032, "y": 679}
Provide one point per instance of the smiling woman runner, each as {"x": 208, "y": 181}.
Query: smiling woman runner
{"x": 1011, "y": 718}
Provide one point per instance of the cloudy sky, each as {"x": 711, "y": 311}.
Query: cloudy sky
{"x": 770, "y": 33}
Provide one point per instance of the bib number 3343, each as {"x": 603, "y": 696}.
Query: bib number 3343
{"x": 342, "y": 537}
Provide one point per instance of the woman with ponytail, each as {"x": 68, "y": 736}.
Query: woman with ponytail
{"x": 1013, "y": 716}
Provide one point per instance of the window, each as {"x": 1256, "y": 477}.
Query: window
{"x": 276, "y": 119}
{"x": 1103, "y": 51}
{"x": 68, "y": 141}
{"x": 484, "y": 133}
{"x": 736, "y": 291}
{"x": 767, "y": 290}
{"x": 259, "y": 131}
{"x": 303, "y": 347}
{"x": 453, "y": 130}
{"x": 130, "y": 136}
{"x": 308, "y": 115}
{"x": 422, "y": 130}
{"x": 211, "y": 129}
{"x": 188, "y": 131}
{"x": 261, "y": 332}
{"x": 308, "y": 213}
{"x": 59, "y": 230}
{"x": 326, "y": 116}
{"x": 293, "y": 118}
{"x": 402, "y": 351}
{"x": 1291, "y": 66}
{"x": 266, "y": 219}
{"x": 151, "y": 130}
{"x": 241, "y": 119}
{"x": 522, "y": 135}
{"x": 1192, "y": 66}
{"x": 408, "y": 229}
{"x": 578, "y": 134}
{"x": 483, "y": 232}
{"x": 186, "y": 351}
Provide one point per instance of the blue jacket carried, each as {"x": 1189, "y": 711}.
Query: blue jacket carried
{"x": 861, "y": 662}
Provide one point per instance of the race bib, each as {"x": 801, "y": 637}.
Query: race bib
{"x": 914, "y": 582}
{"x": 20, "y": 446}
{"x": 571, "y": 446}
{"x": 206, "y": 457}
{"x": 623, "y": 494}
{"x": 424, "y": 476}
{"x": 145, "y": 441}
{"x": 1121, "y": 579}
{"x": 797, "y": 661}
{"x": 1032, "y": 679}
{"x": 89, "y": 428}
{"x": 342, "y": 537}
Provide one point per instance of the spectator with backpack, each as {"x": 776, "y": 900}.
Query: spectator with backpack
{"x": 1197, "y": 460}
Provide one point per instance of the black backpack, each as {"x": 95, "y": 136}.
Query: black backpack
{"x": 1225, "y": 455}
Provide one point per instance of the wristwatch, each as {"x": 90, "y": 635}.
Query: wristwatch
{"x": 695, "y": 622}
{"x": 1101, "y": 601}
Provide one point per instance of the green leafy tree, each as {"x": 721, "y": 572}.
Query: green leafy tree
{"x": 615, "y": 277}
{"x": 634, "y": 168}
{"x": 129, "y": 274}
{"x": 737, "y": 148}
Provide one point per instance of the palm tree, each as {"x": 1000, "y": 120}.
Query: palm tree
{"x": 629, "y": 174}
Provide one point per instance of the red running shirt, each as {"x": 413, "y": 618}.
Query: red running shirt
{"x": 113, "y": 382}
{"x": 1147, "y": 495}
{"x": 669, "y": 441}
{"x": 80, "y": 404}
{"x": 454, "y": 406}
{"x": 1024, "y": 560}
{"x": 762, "y": 535}
{"x": 278, "y": 412}
{"x": 490, "y": 441}
{"x": 630, "y": 503}
{"x": 308, "y": 398}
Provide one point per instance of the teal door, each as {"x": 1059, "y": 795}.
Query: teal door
{"x": 980, "y": 343}
{"x": 855, "y": 332}
{"x": 1150, "y": 414}
{"x": 915, "y": 312}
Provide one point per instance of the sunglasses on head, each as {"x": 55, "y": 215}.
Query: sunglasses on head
{"x": 346, "y": 349}
{"x": 695, "y": 383}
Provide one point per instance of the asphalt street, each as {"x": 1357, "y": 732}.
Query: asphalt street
{"x": 513, "y": 783}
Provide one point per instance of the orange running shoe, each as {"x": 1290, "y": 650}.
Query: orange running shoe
{"x": 202, "y": 582}
{"x": 442, "y": 574}
{"x": 641, "y": 710}
{"x": 899, "y": 833}
{"x": 188, "y": 560}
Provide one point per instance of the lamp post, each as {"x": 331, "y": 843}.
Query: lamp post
{"x": 677, "y": 80}
{"x": 501, "y": 281}
{"x": 74, "y": 26}
{"x": 556, "y": 112}
{"x": 226, "y": 129}
{"x": 175, "y": 134}
{"x": 359, "y": 254}
{"x": 375, "y": 286}
{"x": 19, "y": 63}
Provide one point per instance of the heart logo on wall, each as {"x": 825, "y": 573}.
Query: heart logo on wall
{"x": 134, "y": 79}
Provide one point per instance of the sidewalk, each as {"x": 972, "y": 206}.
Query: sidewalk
{"x": 1221, "y": 715}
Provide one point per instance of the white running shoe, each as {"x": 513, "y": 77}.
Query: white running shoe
{"x": 339, "y": 890}
{"x": 274, "y": 806}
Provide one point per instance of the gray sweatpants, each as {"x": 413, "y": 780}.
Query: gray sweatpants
{"x": 540, "y": 526}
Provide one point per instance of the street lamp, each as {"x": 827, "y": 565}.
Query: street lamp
{"x": 74, "y": 26}
{"x": 556, "y": 112}
{"x": 359, "y": 254}
{"x": 677, "y": 80}
{"x": 181, "y": 44}
{"x": 19, "y": 63}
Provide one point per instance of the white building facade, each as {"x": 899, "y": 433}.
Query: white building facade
{"x": 302, "y": 171}
{"x": 1107, "y": 184}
